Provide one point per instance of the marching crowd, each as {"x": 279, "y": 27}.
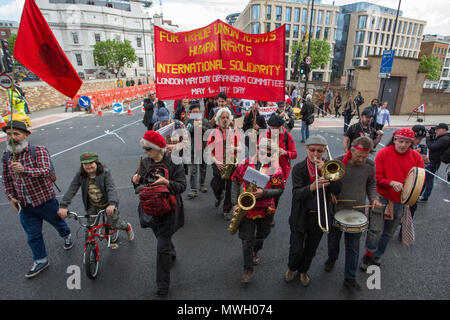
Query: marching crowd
{"x": 160, "y": 182}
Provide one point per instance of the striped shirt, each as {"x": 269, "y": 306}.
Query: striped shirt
{"x": 34, "y": 185}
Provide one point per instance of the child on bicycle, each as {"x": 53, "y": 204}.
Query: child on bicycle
{"x": 97, "y": 191}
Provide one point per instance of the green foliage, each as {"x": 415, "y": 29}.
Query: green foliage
{"x": 432, "y": 65}
{"x": 320, "y": 52}
{"x": 114, "y": 55}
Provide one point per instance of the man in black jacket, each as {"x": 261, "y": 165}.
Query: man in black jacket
{"x": 151, "y": 106}
{"x": 305, "y": 232}
{"x": 307, "y": 114}
{"x": 435, "y": 146}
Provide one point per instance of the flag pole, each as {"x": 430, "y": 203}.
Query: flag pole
{"x": 11, "y": 141}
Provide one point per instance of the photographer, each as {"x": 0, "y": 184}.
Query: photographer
{"x": 438, "y": 141}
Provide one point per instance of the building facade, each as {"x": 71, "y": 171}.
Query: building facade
{"x": 260, "y": 16}
{"x": 438, "y": 46}
{"x": 366, "y": 29}
{"x": 7, "y": 28}
{"x": 79, "y": 24}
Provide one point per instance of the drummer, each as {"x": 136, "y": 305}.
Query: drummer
{"x": 392, "y": 164}
{"x": 358, "y": 183}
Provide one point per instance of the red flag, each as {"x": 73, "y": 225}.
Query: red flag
{"x": 37, "y": 49}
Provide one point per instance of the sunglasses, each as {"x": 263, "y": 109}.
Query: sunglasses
{"x": 315, "y": 150}
{"x": 148, "y": 149}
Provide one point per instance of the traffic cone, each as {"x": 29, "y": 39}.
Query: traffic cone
{"x": 129, "y": 109}
{"x": 2, "y": 122}
{"x": 99, "y": 113}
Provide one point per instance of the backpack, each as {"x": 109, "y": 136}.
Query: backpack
{"x": 156, "y": 200}
{"x": 445, "y": 154}
{"x": 32, "y": 148}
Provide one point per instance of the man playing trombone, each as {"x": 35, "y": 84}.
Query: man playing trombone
{"x": 308, "y": 212}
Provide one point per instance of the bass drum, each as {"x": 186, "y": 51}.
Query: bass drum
{"x": 351, "y": 221}
{"x": 412, "y": 187}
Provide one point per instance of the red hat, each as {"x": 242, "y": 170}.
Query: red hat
{"x": 405, "y": 133}
{"x": 154, "y": 140}
{"x": 288, "y": 100}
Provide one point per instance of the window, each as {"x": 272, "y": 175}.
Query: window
{"x": 383, "y": 25}
{"x": 362, "y": 20}
{"x": 409, "y": 28}
{"x": 356, "y": 62}
{"x": 97, "y": 37}
{"x": 79, "y": 60}
{"x": 278, "y": 13}
{"x": 415, "y": 29}
{"x": 399, "y": 27}
{"x": 297, "y": 15}
{"x": 360, "y": 36}
{"x": 375, "y": 38}
{"x": 366, "y": 53}
{"x": 320, "y": 17}
{"x": 381, "y": 38}
{"x": 255, "y": 28}
{"x": 303, "y": 30}
{"x": 75, "y": 38}
{"x": 378, "y": 23}
{"x": 326, "y": 33}
{"x": 288, "y": 14}
{"x": 288, "y": 30}
{"x": 287, "y": 46}
{"x": 357, "y": 51}
{"x": 255, "y": 12}
{"x": 404, "y": 27}
{"x": 390, "y": 25}
{"x": 328, "y": 17}
{"x": 277, "y": 25}
{"x": 387, "y": 39}
{"x": 313, "y": 17}
{"x": 369, "y": 37}
{"x": 420, "y": 30}
{"x": 318, "y": 29}
{"x": 141, "y": 62}
{"x": 269, "y": 13}
{"x": 295, "y": 35}
{"x": 268, "y": 27}
{"x": 139, "y": 42}
{"x": 304, "y": 16}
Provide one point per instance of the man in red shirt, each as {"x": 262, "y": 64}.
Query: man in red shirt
{"x": 392, "y": 165}
{"x": 29, "y": 189}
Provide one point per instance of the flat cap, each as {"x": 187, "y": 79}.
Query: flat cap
{"x": 316, "y": 139}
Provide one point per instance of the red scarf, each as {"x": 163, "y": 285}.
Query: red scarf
{"x": 311, "y": 170}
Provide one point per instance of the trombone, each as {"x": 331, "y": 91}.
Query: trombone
{"x": 332, "y": 170}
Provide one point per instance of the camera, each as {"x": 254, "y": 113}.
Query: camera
{"x": 432, "y": 133}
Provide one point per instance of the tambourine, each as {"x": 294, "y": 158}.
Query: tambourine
{"x": 412, "y": 187}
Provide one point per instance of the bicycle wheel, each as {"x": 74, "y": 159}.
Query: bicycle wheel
{"x": 91, "y": 263}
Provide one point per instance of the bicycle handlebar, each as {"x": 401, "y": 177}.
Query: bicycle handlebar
{"x": 72, "y": 214}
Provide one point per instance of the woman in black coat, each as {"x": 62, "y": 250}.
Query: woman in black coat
{"x": 154, "y": 146}
{"x": 303, "y": 221}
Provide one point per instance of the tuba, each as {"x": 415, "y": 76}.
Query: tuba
{"x": 246, "y": 202}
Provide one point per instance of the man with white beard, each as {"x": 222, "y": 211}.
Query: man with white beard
{"x": 29, "y": 189}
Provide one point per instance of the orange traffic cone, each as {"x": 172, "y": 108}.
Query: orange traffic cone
{"x": 2, "y": 122}
{"x": 129, "y": 109}
{"x": 99, "y": 113}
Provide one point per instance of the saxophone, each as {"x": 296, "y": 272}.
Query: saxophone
{"x": 227, "y": 171}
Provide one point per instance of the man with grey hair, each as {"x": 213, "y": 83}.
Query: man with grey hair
{"x": 305, "y": 232}
{"x": 29, "y": 189}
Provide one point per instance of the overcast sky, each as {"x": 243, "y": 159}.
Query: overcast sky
{"x": 192, "y": 14}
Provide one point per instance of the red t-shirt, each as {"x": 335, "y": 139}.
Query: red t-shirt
{"x": 393, "y": 166}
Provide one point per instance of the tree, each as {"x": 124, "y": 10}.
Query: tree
{"x": 431, "y": 65}
{"x": 114, "y": 55}
{"x": 320, "y": 52}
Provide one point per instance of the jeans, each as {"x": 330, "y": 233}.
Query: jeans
{"x": 305, "y": 131}
{"x": 194, "y": 170}
{"x": 429, "y": 179}
{"x": 165, "y": 255}
{"x": 303, "y": 245}
{"x": 347, "y": 119}
{"x": 357, "y": 109}
{"x": 380, "y": 230}
{"x": 32, "y": 218}
{"x": 253, "y": 232}
{"x": 351, "y": 250}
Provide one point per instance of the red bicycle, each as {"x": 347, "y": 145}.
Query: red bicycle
{"x": 95, "y": 232}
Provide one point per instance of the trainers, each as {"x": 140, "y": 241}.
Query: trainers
{"x": 36, "y": 269}
{"x": 289, "y": 275}
{"x": 304, "y": 279}
{"x": 352, "y": 284}
{"x": 422, "y": 199}
{"x": 68, "y": 242}
{"x": 329, "y": 264}
{"x": 130, "y": 233}
{"x": 247, "y": 276}
{"x": 256, "y": 259}
{"x": 368, "y": 261}
{"x": 203, "y": 189}
{"x": 192, "y": 194}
